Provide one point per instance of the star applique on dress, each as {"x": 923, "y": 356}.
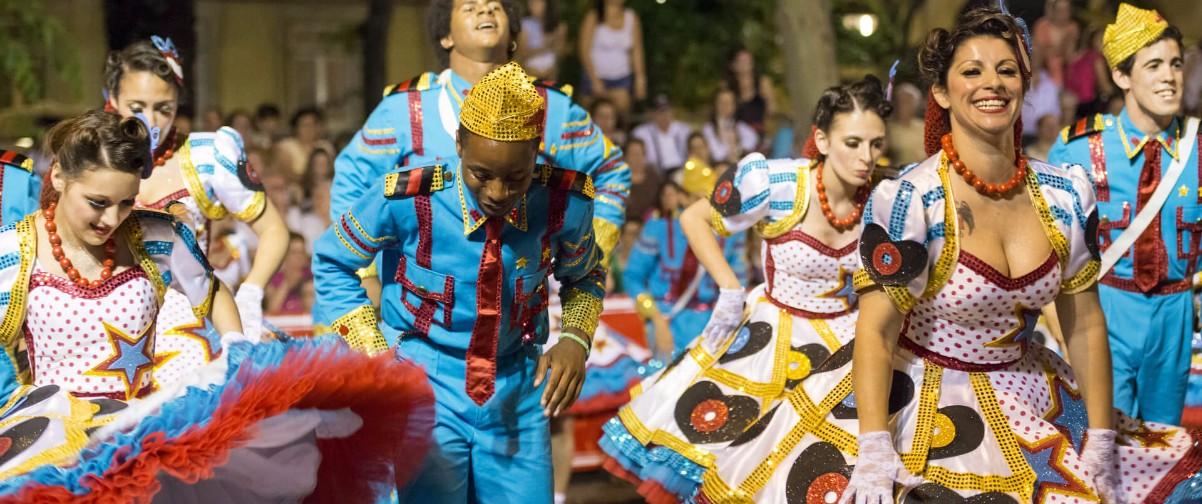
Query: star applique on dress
{"x": 132, "y": 359}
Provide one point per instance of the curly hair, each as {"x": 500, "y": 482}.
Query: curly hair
{"x": 438, "y": 25}
{"x": 96, "y": 139}
{"x": 864, "y": 94}
{"x": 140, "y": 56}
{"x": 935, "y": 55}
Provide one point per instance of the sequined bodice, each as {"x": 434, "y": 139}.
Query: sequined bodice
{"x": 982, "y": 317}
{"x": 806, "y": 274}
{"x": 92, "y": 342}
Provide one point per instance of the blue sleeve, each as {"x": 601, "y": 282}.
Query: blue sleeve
{"x": 644, "y": 256}
{"x": 580, "y": 266}
{"x": 1061, "y": 154}
{"x": 375, "y": 150}
{"x": 736, "y": 254}
{"x": 350, "y": 244}
{"x": 20, "y": 193}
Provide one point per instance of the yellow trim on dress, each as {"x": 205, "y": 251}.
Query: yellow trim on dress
{"x": 776, "y": 385}
{"x": 801, "y": 202}
{"x": 75, "y": 426}
{"x": 928, "y": 404}
{"x": 196, "y": 188}
{"x": 134, "y": 241}
{"x": 950, "y": 253}
{"x": 258, "y": 203}
{"x": 14, "y": 315}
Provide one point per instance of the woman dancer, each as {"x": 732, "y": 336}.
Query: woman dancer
{"x": 666, "y": 438}
{"x": 952, "y": 399}
{"x": 204, "y": 175}
{"x": 84, "y": 415}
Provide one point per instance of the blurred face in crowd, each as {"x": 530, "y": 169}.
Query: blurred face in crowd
{"x": 852, "y": 145}
{"x": 241, "y": 123}
{"x": 278, "y": 189}
{"x": 605, "y": 116}
{"x": 297, "y": 258}
{"x": 742, "y": 63}
{"x": 984, "y": 91}
{"x": 670, "y": 198}
{"x": 268, "y": 125}
{"x": 496, "y": 173}
{"x": 538, "y": 8}
{"x": 636, "y": 158}
{"x": 93, "y": 203}
{"x": 212, "y": 120}
{"x": 662, "y": 116}
{"x": 321, "y": 165}
{"x": 724, "y": 104}
{"x": 308, "y": 128}
{"x": 145, "y": 92}
{"x": 698, "y": 148}
{"x": 320, "y": 198}
{"x": 1154, "y": 86}
{"x": 1047, "y": 128}
{"x": 1060, "y": 10}
{"x": 478, "y": 29}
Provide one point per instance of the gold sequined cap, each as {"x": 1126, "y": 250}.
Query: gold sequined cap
{"x": 1133, "y": 29}
{"x": 504, "y": 106}
{"x": 696, "y": 177}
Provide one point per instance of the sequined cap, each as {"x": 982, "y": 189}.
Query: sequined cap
{"x": 504, "y": 106}
{"x": 1133, "y": 29}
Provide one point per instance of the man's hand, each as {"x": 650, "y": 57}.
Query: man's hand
{"x": 565, "y": 361}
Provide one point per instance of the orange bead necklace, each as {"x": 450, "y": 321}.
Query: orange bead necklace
{"x": 986, "y": 188}
{"x": 853, "y": 218}
{"x": 56, "y": 247}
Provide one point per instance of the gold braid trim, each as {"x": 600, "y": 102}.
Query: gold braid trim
{"x": 1084, "y": 279}
{"x": 75, "y": 423}
{"x": 717, "y": 223}
{"x": 258, "y": 203}
{"x": 646, "y": 436}
{"x": 928, "y": 401}
{"x": 209, "y": 208}
{"x": 950, "y": 253}
{"x": 360, "y": 328}
{"x": 137, "y": 246}
{"x": 801, "y": 201}
{"x": 581, "y": 311}
{"x": 606, "y": 236}
{"x": 773, "y": 388}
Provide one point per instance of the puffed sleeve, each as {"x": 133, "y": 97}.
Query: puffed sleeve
{"x": 181, "y": 263}
{"x": 894, "y": 245}
{"x": 218, "y": 176}
{"x": 1072, "y": 205}
{"x": 769, "y": 194}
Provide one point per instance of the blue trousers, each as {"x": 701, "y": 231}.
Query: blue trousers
{"x": 1150, "y": 349}
{"x": 498, "y": 452}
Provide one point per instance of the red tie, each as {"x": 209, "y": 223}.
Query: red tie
{"x": 482, "y": 351}
{"x": 1149, "y": 260}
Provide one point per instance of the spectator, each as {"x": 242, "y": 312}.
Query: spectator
{"x": 183, "y": 123}
{"x": 605, "y": 116}
{"x": 784, "y": 140}
{"x": 664, "y": 136}
{"x": 1047, "y": 128}
{"x": 611, "y": 49}
{"x": 229, "y": 252}
{"x": 312, "y": 216}
{"x": 211, "y": 119}
{"x": 280, "y": 191}
{"x": 1056, "y": 35}
{"x": 543, "y": 39}
{"x": 905, "y": 126}
{"x": 1068, "y": 109}
{"x": 1041, "y": 100}
{"x": 267, "y": 125}
{"x": 308, "y": 133}
{"x": 1192, "y": 98}
{"x": 241, "y": 122}
{"x": 754, "y": 92}
{"x": 698, "y": 148}
{"x": 290, "y": 291}
{"x": 644, "y": 182}
{"x": 728, "y": 138}
{"x": 1088, "y": 77}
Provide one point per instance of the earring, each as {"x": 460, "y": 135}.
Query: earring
{"x": 513, "y": 46}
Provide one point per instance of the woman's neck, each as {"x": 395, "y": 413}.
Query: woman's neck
{"x": 71, "y": 241}
{"x": 837, "y": 191}
{"x": 473, "y": 69}
{"x": 990, "y": 158}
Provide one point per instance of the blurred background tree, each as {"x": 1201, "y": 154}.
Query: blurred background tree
{"x": 33, "y": 47}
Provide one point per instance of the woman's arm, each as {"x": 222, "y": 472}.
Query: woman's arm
{"x": 559, "y": 41}
{"x": 637, "y": 59}
{"x": 877, "y": 329}
{"x": 225, "y": 311}
{"x": 1084, "y": 327}
{"x": 273, "y": 245}
{"x": 587, "y": 29}
{"x": 695, "y": 222}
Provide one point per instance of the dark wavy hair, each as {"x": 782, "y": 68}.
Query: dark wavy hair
{"x": 864, "y": 94}
{"x": 438, "y": 25}
{"x": 140, "y": 56}
{"x": 96, "y": 139}
{"x": 935, "y": 55}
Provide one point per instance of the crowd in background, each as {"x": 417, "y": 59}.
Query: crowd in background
{"x": 294, "y": 154}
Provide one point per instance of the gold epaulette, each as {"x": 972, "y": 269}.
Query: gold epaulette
{"x": 1083, "y": 127}
{"x": 16, "y": 159}
{"x": 416, "y": 181}
{"x": 422, "y": 82}
{"x": 565, "y": 180}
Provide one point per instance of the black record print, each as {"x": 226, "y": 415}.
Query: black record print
{"x": 1091, "y": 234}
{"x": 108, "y": 406}
{"x": 900, "y": 394}
{"x": 749, "y": 339}
{"x": 840, "y": 358}
{"x": 20, "y": 437}
{"x": 36, "y": 396}
{"x": 706, "y": 415}
{"x": 938, "y": 494}
{"x": 756, "y": 428}
{"x": 802, "y": 362}
{"x": 957, "y": 430}
{"x": 890, "y": 262}
{"x": 726, "y": 198}
{"x": 819, "y": 475}
{"x": 249, "y": 174}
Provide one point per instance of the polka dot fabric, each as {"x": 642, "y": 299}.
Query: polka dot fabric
{"x": 69, "y": 343}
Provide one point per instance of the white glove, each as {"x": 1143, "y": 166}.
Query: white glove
{"x": 877, "y": 468}
{"x": 728, "y": 312}
{"x": 250, "y": 310}
{"x": 232, "y": 337}
{"x": 1098, "y": 457}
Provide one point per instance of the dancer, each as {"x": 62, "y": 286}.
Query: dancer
{"x": 808, "y": 211}
{"x": 1147, "y": 295}
{"x": 415, "y": 123}
{"x": 198, "y": 178}
{"x": 949, "y": 398}
{"x": 673, "y": 294}
{"x": 19, "y": 185}
{"x": 82, "y": 282}
{"x": 477, "y": 237}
